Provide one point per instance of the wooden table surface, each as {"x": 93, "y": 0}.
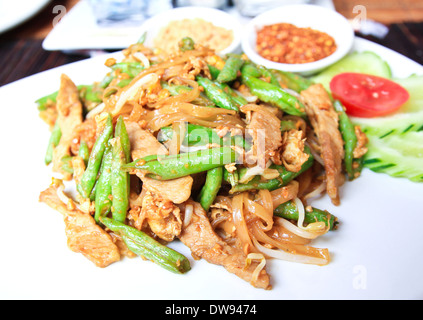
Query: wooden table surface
{"x": 22, "y": 54}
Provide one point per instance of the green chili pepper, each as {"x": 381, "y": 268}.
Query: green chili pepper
{"x": 145, "y": 246}
{"x": 289, "y": 210}
{"x": 211, "y": 187}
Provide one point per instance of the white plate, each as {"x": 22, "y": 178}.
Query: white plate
{"x": 13, "y": 13}
{"x": 376, "y": 253}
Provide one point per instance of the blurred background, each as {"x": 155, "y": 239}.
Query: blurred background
{"x": 26, "y": 24}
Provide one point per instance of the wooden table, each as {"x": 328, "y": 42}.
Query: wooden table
{"x": 22, "y": 54}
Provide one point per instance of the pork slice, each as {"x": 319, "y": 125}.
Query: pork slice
{"x": 83, "y": 234}
{"x": 325, "y": 122}
{"x": 143, "y": 144}
{"x": 69, "y": 110}
{"x": 264, "y": 127}
{"x": 200, "y": 237}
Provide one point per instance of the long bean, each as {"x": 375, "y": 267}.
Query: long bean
{"x": 145, "y": 246}
{"x": 176, "y": 166}
{"x": 274, "y": 95}
{"x": 350, "y": 141}
{"x": 211, "y": 187}
{"x": 284, "y": 178}
{"x": 84, "y": 151}
{"x": 231, "y": 68}
{"x": 89, "y": 176}
{"x": 292, "y": 81}
{"x": 119, "y": 182}
{"x": 289, "y": 210}
{"x": 216, "y": 94}
{"x": 103, "y": 189}
{"x": 197, "y": 135}
{"x": 55, "y": 136}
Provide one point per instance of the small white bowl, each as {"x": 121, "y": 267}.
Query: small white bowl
{"x": 303, "y": 16}
{"x": 218, "y": 17}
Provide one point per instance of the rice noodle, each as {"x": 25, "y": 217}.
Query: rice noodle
{"x": 288, "y": 251}
{"x": 100, "y": 108}
{"x": 286, "y": 256}
{"x": 130, "y": 91}
{"x": 285, "y": 193}
{"x": 316, "y": 192}
{"x": 142, "y": 58}
{"x": 260, "y": 266}
{"x": 239, "y": 220}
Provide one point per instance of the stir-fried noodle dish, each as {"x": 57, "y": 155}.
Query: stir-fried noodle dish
{"x": 213, "y": 151}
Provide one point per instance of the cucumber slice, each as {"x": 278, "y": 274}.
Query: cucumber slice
{"x": 383, "y": 158}
{"x": 408, "y": 118}
{"x": 361, "y": 62}
{"x": 396, "y": 124}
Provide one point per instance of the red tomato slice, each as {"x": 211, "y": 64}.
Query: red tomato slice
{"x": 367, "y": 96}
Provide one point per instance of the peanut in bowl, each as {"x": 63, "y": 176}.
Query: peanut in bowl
{"x": 298, "y": 38}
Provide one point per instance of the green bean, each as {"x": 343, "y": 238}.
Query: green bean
{"x": 90, "y": 93}
{"x": 289, "y": 210}
{"x": 236, "y": 98}
{"x": 292, "y": 81}
{"x": 145, "y": 246}
{"x": 249, "y": 69}
{"x": 181, "y": 165}
{"x": 197, "y": 135}
{"x": 211, "y": 187}
{"x": 89, "y": 176}
{"x": 55, "y": 136}
{"x": 214, "y": 72}
{"x": 122, "y": 133}
{"x": 231, "y": 177}
{"x": 287, "y": 125}
{"x": 186, "y": 44}
{"x": 266, "y": 73}
{"x": 132, "y": 69}
{"x": 103, "y": 187}
{"x": 216, "y": 94}
{"x": 284, "y": 178}
{"x": 86, "y": 91}
{"x": 119, "y": 181}
{"x": 175, "y": 90}
{"x": 44, "y": 101}
{"x": 84, "y": 151}
{"x": 350, "y": 142}
{"x": 274, "y": 95}
{"x": 231, "y": 68}
{"x": 67, "y": 164}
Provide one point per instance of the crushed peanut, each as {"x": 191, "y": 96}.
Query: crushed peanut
{"x": 286, "y": 43}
